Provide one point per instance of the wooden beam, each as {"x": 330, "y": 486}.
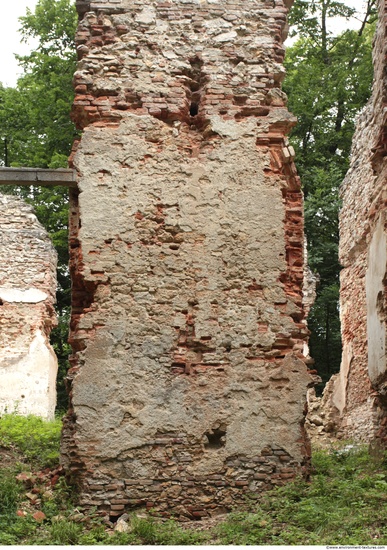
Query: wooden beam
{"x": 38, "y": 176}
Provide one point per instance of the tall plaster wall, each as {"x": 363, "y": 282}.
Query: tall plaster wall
{"x": 188, "y": 378}
{"x": 356, "y": 397}
{"x": 28, "y": 365}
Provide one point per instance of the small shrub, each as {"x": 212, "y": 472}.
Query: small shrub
{"x": 98, "y": 536}
{"x": 172, "y": 534}
{"x": 322, "y": 463}
{"x": 50, "y": 508}
{"x": 10, "y": 490}
{"x": 65, "y": 532}
{"x": 144, "y": 529}
{"x": 7, "y": 539}
{"x": 14, "y": 530}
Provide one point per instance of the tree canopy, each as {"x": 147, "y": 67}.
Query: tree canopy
{"x": 329, "y": 78}
{"x": 36, "y": 129}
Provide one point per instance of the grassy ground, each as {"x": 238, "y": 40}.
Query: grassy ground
{"x": 344, "y": 503}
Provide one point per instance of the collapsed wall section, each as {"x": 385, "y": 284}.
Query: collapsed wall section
{"x": 28, "y": 365}
{"x": 188, "y": 377}
{"x": 356, "y": 396}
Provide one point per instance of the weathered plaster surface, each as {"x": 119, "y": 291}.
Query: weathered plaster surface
{"x": 375, "y": 297}
{"x": 188, "y": 374}
{"x": 28, "y": 365}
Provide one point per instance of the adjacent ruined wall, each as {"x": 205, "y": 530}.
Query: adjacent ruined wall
{"x": 28, "y": 365}
{"x": 357, "y": 393}
{"x": 188, "y": 379}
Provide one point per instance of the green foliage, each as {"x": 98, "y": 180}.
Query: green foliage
{"x": 324, "y": 324}
{"x": 53, "y": 24}
{"x": 328, "y": 81}
{"x": 47, "y": 81}
{"x": 36, "y": 129}
{"x": 305, "y": 15}
{"x": 36, "y": 438}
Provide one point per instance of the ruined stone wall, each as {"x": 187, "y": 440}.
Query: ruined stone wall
{"x": 188, "y": 379}
{"x": 28, "y": 365}
{"x": 357, "y": 392}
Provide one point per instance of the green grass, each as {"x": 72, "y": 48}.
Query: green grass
{"x": 12, "y": 527}
{"x": 345, "y": 503}
{"x": 37, "y": 439}
{"x": 10, "y": 491}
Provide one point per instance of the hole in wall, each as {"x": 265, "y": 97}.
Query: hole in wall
{"x": 194, "y": 109}
{"x": 194, "y": 97}
{"x": 216, "y": 439}
{"x": 195, "y": 89}
{"x": 113, "y": 519}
